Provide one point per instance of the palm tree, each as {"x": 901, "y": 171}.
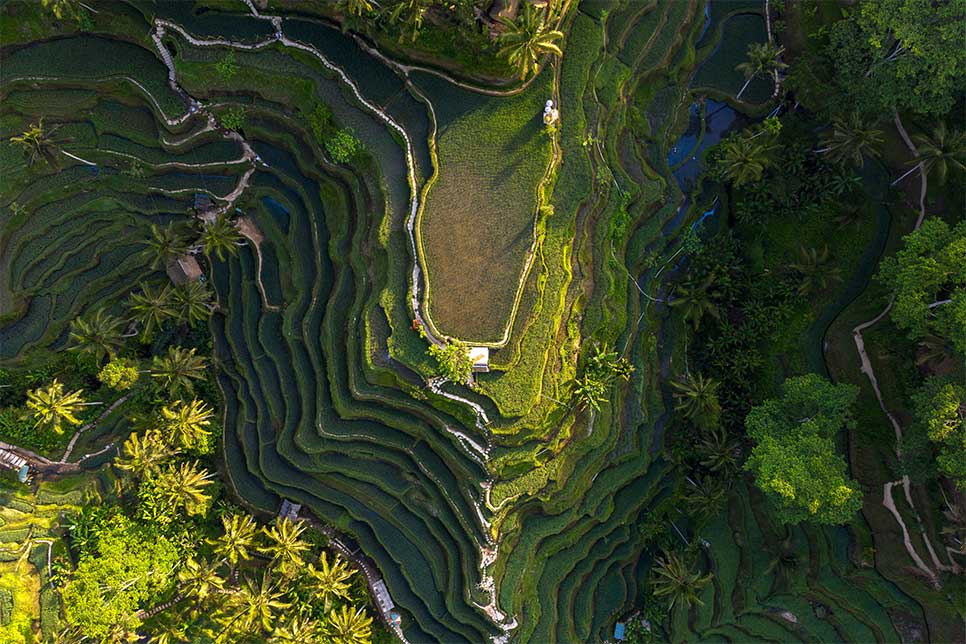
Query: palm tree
{"x": 99, "y": 334}
{"x": 348, "y": 626}
{"x": 697, "y": 399}
{"x": 330, "y": 581}
{"x": 51, "y": 406}
{"x": 178, "y": 369}
{"x": 285, "y": 543}
{"x": 200, "y": 580}
{"x": 704, "y": 497}
{"x": 850, "y": 140}
{"x": 589, "y": 391}
{"x": 525, "y": 39}
{"x": 675, "y": 580}
{"x": 219, "y": 237}
{"x": 744, "y": 159}
{"x": 151, "y": 307}
{"x": 190, "y": 302}
{"x": 184, "y": 486}
{"x": 409, "y": 15}
{"x": 696, "y": 300}
{"x": 941, "y": 151}
{"x": 143, "y": 455}
{"x": 62, "y": 8}
{"x": 299, "y": 629}
{"x": 37, "y": 143}
{"x": 813, "y": 270}
{"x": 186, "y": 423}
{"x": 355, "y": 7}
{"x": 165, "y": 244}
{"x": 238, "y": 538}
{"x": 764, "y": 58}
{"x": 253, "y": 607}
{"x": 719, "y": 452}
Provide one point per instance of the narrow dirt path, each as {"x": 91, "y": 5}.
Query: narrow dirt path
{"x": 869, "y": 371}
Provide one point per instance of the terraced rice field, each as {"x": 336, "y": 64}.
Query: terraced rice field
{"x": 520, "y": 516}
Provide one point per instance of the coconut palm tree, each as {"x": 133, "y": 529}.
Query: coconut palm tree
{"x": 239, "y": 537}
{"x": 186, "y": 424}
{"x": 219, "y": 237}
{"x": 299, "y": 629}
{"x": 355, "y": 7}
{"x": 99, "y": 334}
{"x": 763, "y": 59}
{"x": 184, "y": 486}
{"x": 151, "y": 307}
{"x": 674, "y": 580}
{"x": 62, "y": 8}
{"x": 704, "y": 497}
{"x": 850, "y": 140}
{"x": 696, "y": 301}
{"x": 528, "y": 37}
{"x": 330, "y": 581}
{"x": 51, "y": 406}
{"x": 719, "y": 452}
{"x": 143, "y": 454}
{"x": 285, "y": 543}
{"x": 744, "y": 159}
{"x": 178, "y": 369}
{"x": 589, "y": 391}
{"x": 191, "y": 302}
{"x": 38, "y": 143}
{"x": 253, "y": 608}
{"x": 349, "y": 626}
{"x": 941, "y": 151}
{"x": 200, "y": 580}
{"x": 697, "y": 399}
{"x": 165, "y": 244}
{"x": 813, "y": 270}
{"x": 408, "y": 14}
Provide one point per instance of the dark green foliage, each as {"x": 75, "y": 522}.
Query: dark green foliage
{"x": 226, "y": 67}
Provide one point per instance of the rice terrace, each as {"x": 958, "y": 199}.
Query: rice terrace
{"x": 510, "y": 321}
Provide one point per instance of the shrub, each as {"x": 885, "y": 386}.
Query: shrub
{"x": 120, "y": 374}
{"x": 321, "y": 122}
{"x": 343, "y": 145}
{"x": 233, "y": 119}
{"x": 226, "y": 67}
{"x": 453, "y": 360}
{"x": 17, "y": 427}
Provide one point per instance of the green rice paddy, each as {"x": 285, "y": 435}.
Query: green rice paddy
{"x": 322, "y": 372}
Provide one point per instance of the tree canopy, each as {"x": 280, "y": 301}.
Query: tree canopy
{"x": 129, "y": 568}
{"x": 929, "y": 276}
{"x": 890, "y": 55}
{"x": 795, "y": 462}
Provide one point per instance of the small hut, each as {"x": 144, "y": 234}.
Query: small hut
{"x": 184, "y": 269}
{"x": 480, "y": 357}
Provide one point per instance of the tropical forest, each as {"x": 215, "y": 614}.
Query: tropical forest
{"x": 482, "y": 321}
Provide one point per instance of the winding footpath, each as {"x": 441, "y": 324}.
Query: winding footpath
{"x": 887, "y": 498}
